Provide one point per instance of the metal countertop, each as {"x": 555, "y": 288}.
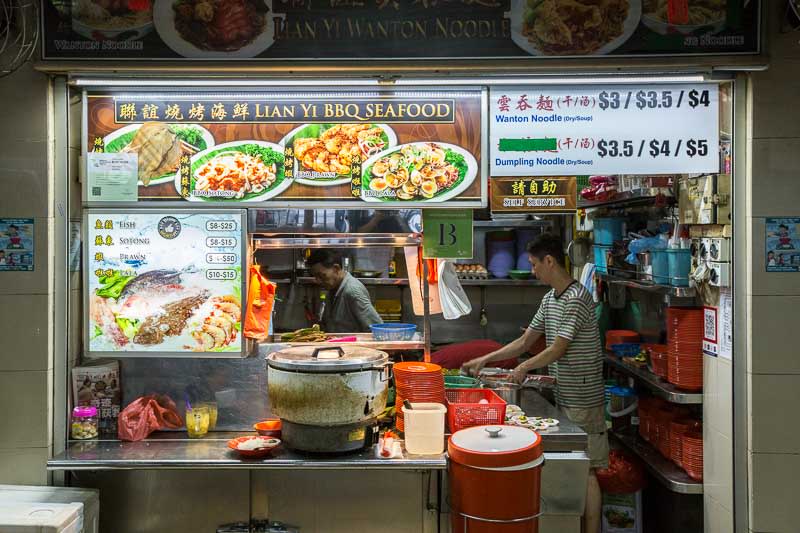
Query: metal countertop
{"x": 174, "y": 451}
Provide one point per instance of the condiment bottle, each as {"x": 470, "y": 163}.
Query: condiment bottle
{"x": 84, "y": 422}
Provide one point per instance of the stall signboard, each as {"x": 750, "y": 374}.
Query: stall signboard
{"x": 411, "y": 148}
{"x": 164, "y": 282}
{"x": 604, "y": 129}
{"x": 782, "y": 242}
{"x": 318, "y": 30}
{"x": 533, "y": 195}
{"x": 447, "y": 233}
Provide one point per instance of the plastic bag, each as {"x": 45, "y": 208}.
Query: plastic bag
{"x": 645, "y": 244}
{"x": 454, "y": 300}
{"x": 260, "y": 299}
{"x": 146, "y": 415}
{"x": 624, "y": 475}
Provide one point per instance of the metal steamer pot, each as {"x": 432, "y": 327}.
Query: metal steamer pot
{"x": 326, "y": 396}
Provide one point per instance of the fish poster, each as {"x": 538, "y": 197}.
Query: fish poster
{"x": 16, "y": 244}
{"x": 315, "y": 148}
{"x": 783, "y": 245}
{"x": 164, "y": 282}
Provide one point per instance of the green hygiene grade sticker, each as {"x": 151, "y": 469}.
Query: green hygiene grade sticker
{"x": 447, "y": 233}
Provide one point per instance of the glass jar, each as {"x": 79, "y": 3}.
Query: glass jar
{"x": 84, "y": 422}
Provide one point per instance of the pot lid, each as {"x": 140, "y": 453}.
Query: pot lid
{"x": 495, "y": 446}
{"x": 327, "y": 358}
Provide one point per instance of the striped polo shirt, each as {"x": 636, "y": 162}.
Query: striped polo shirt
{"x": 579, "y": 372}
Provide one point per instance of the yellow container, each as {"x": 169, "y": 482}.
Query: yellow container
{"x": 197, "y": 421}
{"x": 213, "y": 412}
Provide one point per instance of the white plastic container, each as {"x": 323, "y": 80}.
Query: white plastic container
{"x": 424, "y": 428}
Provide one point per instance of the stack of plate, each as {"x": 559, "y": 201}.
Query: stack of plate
{"x": 677, "y": 429}
{"x": 692, "y": 455}
{"x": 685, "y": 341}
{"x": 417, "y": 382}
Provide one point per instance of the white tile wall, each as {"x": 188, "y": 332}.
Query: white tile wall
{"x": 774, "y": 480}
{"x": 23, "y": 466}
{"x": 718, "y": 467}
{"x": 24, "y": 174}
{"x": 26, "y": 404}
{"x": 716, "y": 518}
{"x": 775, "y": 192}
{"x": 774, "y": 319}
{"x": 772, "y": 397}
{"x": 25, "y": 333}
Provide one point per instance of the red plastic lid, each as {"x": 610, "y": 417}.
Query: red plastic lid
{"x": 495, "y": 446}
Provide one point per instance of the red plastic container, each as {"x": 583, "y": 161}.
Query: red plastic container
{"x": 495, "y": 479}
{"x": 464, "y": 408}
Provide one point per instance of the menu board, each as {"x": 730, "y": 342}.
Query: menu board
{"x": 604, "y": 129}
{"x": 313, "y": 30}
{"x": 413, "y": 148}
{"x": 164, "y": 282}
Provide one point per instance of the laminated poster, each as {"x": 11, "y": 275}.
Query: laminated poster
{"x": 783, "y": 245}
{"x": 16, "y": 244}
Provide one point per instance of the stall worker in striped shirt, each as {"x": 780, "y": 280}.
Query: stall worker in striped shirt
{"x": 566, "y": 318}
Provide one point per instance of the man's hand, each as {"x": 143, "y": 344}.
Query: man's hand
{"x": 519, "y": 374}
{"x": 474, "y": 367}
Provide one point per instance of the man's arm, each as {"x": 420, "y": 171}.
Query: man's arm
{"x": 547, "y": 356}
{"x": 513, "y": 349}
{"x": 365, "y": 313}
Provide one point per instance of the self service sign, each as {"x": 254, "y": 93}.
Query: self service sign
{"x": 604, "y": 129}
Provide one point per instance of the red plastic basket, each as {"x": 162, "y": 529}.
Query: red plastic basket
{"x": 465, "y": 410}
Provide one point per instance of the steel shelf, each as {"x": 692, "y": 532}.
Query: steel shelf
{"x": 366, "y": 281}
{"x": 637, "y": 197}
{"x": 282, "y": 241}
{"x": 362, "y": 339}
{"x": 672, "y": 477}
{"x": 510, "y": 223}
{"x": 402, "y": 282}
{"x": 660, "y": 388}
{"x": 677, "y": 292}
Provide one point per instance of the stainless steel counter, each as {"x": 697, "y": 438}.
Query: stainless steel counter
{"x": 566, "y": 437}
{"x": 173, "y": 451}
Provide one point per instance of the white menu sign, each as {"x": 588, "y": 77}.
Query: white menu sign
{"x": 164, "y": 282}
{"x": 604, "y": 129}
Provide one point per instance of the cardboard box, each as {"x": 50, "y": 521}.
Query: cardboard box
{"x": 97, "y": 383}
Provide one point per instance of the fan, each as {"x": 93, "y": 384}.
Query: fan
{"x": 19, "y": 33}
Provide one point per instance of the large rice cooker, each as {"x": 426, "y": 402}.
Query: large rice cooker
{"x": 328, "y": 398}
{"x": 495, "y": 479}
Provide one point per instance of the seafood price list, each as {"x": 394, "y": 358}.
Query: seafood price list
{"x": 164, "y": 282}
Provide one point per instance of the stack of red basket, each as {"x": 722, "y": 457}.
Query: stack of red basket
{"x": 417, "y": 382}
{"x": 685, "y": 341}
{"x": 677, "y": 429}
{"x": 692, "y": 455}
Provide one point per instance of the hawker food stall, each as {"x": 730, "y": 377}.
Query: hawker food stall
{"x": 282, "y": 271}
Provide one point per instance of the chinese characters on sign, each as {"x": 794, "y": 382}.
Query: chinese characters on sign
{"x": 533, "y": 195}
{"x": 547, "y": 131}
{"x": 367, "y": 109}
{"x": 16, "y": 244}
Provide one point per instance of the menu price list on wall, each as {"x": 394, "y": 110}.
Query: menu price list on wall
{"x": 590, "y": 130}
{"x": 164, "y": 282}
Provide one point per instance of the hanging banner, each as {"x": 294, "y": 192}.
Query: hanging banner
{"x": 413, "y": 148}
{"x": 613, "y": 129}
{"x": 312, "y": 30}
{"x": 533, "y": 195}
{"x": 164, "y": 282}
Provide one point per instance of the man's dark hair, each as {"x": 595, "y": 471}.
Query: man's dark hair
{"x": 547, "y": 244}
{"x": 325, "y": 257}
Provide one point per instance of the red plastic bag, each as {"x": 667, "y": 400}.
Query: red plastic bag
{"x": 624, "y": 475}
{"x": 146, "y": 415}
{"x": 260, "y": 299}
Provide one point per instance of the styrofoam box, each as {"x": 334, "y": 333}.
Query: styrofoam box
{"x": 26, "y": 517}
{"x": 90, "y": 498}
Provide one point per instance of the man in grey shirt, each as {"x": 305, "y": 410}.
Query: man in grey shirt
{"x": 348, "y": 308}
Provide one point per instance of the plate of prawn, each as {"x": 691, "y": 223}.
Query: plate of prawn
{"x": 325, "y": 154}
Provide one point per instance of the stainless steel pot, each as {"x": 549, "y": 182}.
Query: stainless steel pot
{"x": 511, "y": 393}
{"x": 328, "y": 385}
